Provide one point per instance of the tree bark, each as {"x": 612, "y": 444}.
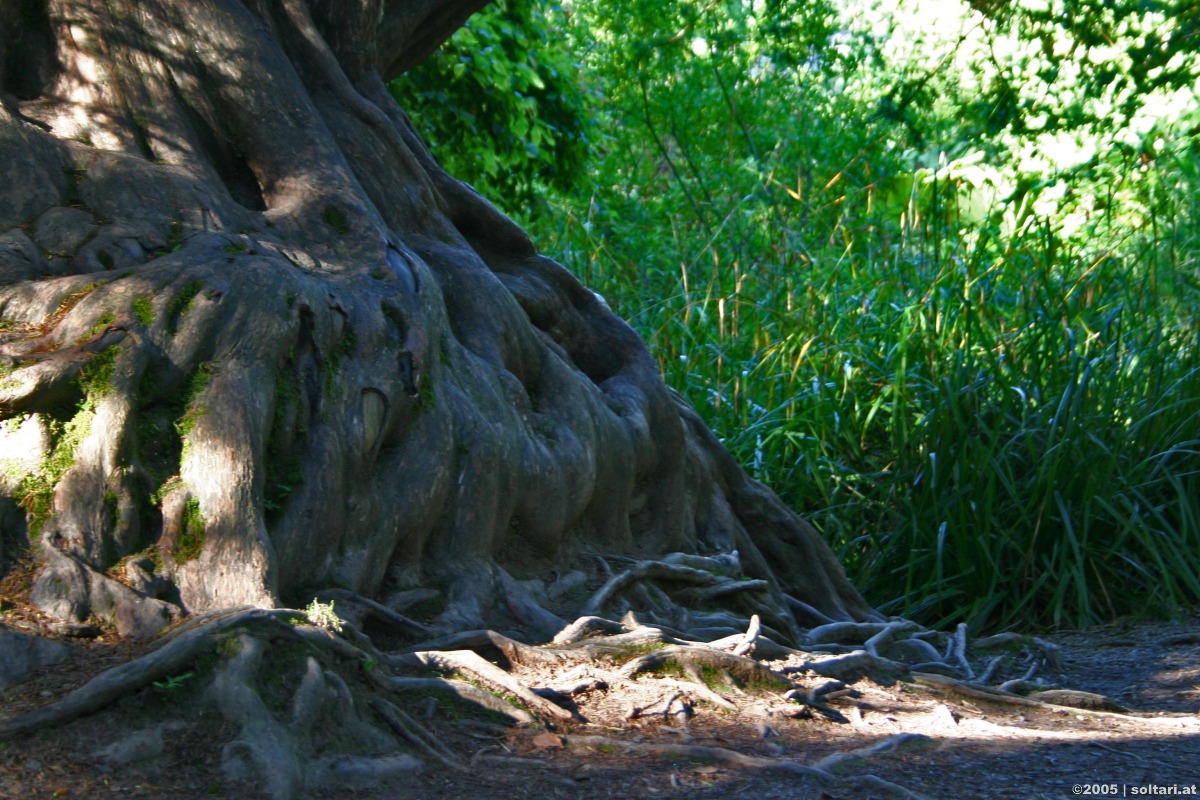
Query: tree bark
{"x": 255, "y": 343}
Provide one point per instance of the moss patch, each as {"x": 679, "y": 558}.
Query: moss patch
{"x": 331, "y": 365}
{"x": 36, "y": 489}
{"x": 426, "y": 399}
{"x": 181, "y": 304}
{"x": 96, "y": 377}
{"x": 143, "y": 309}
{"x": 335, "y": 218}
{"x": 284, "y": 465}
{"x": 193, "y": 408}
{"x": 191, "y": 534}
{"x": 103, "y": 322}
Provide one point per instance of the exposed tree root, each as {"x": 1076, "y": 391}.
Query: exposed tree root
{"x": 721, "y": 755}
{"x": 460, "y": 689}
{"x": 1064, "y": 701}
{"x": 414, "y": 733}
{"x": 646, "y": 570}
{"x": 172, "y": 658}
{"x": 690, "y": 657}
{"x": 514, "y": 652}
{"x": 746, "y": 645}
{"x": 366, "y": 606}
{"x": 469, "y": 662}
{"x": 342, "y": 686}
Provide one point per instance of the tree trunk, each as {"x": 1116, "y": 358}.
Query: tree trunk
{"x": 255, "y": 343}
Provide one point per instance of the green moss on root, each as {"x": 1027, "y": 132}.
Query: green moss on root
{"x": 181, "y": 304}
{"x": 335, "y": 218}
{"x": 36, "y": 489}
{"x": 284, "y": 469}
{"x": 191, "y": 534}
{"x": 143, "y": 309}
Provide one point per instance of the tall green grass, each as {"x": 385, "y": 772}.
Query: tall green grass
{"x": 998, "y": 428}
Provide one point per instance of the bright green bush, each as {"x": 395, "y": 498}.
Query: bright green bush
{"x": 972, "y": 365}
{"x": 931, "y": 269}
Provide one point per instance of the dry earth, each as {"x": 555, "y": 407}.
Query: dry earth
{"x": 956, "y": 747}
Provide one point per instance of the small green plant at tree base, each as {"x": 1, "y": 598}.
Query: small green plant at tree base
{"x": 322, "y": 615}
{"x": 173, "y": 683}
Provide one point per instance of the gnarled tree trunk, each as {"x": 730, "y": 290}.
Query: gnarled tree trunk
{"x": 255, "y": 343}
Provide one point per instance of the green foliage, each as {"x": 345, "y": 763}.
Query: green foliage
{"x": 935, "y": 283}
{"x": 174, "y": 683}
{"x": 502, "y": 103}
{"x": 323, "y": 616}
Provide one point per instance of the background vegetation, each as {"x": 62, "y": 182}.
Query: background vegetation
{"x": 932, "y": 269}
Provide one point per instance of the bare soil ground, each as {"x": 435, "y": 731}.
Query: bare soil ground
{"x": 964, "y": 747}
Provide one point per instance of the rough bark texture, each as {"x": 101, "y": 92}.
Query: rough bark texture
{"x": 255, "y": 343}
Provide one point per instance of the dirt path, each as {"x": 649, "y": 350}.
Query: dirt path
{"x": 959, "y": 747}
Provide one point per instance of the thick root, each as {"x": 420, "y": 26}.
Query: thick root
{"x": 173, "y": 658}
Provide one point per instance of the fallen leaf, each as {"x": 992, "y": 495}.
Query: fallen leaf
{"x": 547, "y": 741}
